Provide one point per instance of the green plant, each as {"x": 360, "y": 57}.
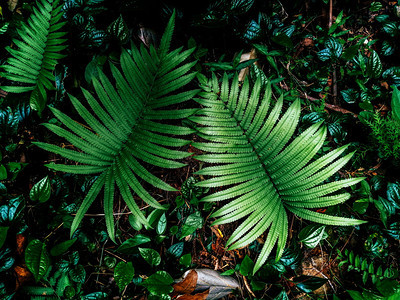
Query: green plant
{"x": 269, "y": 177}
{"x": 39, "y": 46}
{"x": 386, "y": 132}
{"x": 127, "y": 124}
{"x": 367, "y": 268}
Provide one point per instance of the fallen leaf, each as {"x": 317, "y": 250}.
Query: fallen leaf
{"x": 20, "y": 241}
{"x": 23, "y": 275}
{"x": 199, "y": 296}
{"x": 187, "y": 285}
{"x": 217, "y": 286}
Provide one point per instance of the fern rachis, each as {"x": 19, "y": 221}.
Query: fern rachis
{"x": 270, "y": 175}
{"x": 126, "y": 130}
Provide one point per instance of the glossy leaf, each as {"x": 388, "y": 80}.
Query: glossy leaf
{"x": 129, "y": 245}
{"x": 119, "y": 29}
{"x": 186, "y": 260}
{"x": 162, "y": 224}
{"x": 193, "y": 222}
{"x": 176, "y": 250}
{"x": 37, "y": 259}
{"x": 159, "y": 283}
{"x": 311, "y": 235}
{"x": 62, "y": 247}
{"x": 374, "y": 65}
{"x": 123, "y": 274}
{"x": 41, "y": 191}
{"x": 78, "y": 274}
{"x": 151, "y": 256}
{"x": 308, "y": 284}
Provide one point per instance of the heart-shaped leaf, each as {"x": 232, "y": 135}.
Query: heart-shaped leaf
{"x": 41, "y": 191}
{"x": 151, "y": 256}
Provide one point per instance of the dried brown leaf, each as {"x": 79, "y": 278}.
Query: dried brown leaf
{"x": 188, "y": 284}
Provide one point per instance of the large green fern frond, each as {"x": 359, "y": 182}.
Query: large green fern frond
{"x": 128, "y": 127}
{"x": 39, "y": 45}
{"x": 266, "y": 171}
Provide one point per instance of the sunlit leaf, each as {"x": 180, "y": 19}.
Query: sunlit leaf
{"x": 37, "y": 259}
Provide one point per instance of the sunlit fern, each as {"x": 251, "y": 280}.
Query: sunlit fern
{"x": 127, "y": 129}
{"x": 39, "y": 45}
{"x": 266, "y": 175}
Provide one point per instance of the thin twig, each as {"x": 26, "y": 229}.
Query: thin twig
{"x": 115, "y": 255}
{"x": 246, "y": 284}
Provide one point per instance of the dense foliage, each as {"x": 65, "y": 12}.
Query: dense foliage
{"x": 249, "y": 147}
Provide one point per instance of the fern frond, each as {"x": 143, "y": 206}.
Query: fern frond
{"x": 39, "y": 44}
{"x": 127, "y": 128}
{"x": 267, "y": 170}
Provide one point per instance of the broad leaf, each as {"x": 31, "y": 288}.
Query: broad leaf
{"x": 129, "y": 245}
{"x": 374, "y": 65}
{"x": 311, "y": 235}
{"x": 41, "y": 191}
{"x": 37, "y": 259}
{"x": 151, "y": 256}
{"x": 123, "y": 274}
{"x": 159, "y": 283}
{"x": 62, "y": 247}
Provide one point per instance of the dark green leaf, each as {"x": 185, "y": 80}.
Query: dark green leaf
{"x": 356, "y": 295}
{"x": 176, "y": 250}
{"x": 308, "y": 284}
{"x": 78, "y": 274}
{"x": 393, "y": 193}
{"x": 41, "y": 191}
{"x": 396, "y": 104}
{"x": 151, "y": 256}
{"x": 360, "y": 206}
{"x": 186, "y": 260}
{"x": 62, "y": 247}
{"x": 37, "y": 259}
{"x": 374, "y": 65}
{"x": 387, "y": 48}
{"x": 246, "y": 266}
{"x": 3, "y": 172}
{"x": 375, "y": 6}
{"x": 119, "y": 29}
{"x": 350, "y": 52}
{"x": 388, "y": 287}
{"x": 394, "y": 230}
{"x": 283, "y": 40}
{"x": 311, "y": 235}
{"x": 390, "y": 28}
{"x": 123, "y": 274}
{"x": 159, "y": 283}
{"x": 282, "y": 296}
{"x": 129, "y": 245}
{"x": 3, "y": 235}
{"x": 349, "y": 95}
{"x": 335, "y": 47}
{"x": 193, "y": 222}
{"x": 241, "y": 6}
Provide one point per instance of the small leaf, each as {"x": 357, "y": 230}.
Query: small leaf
{"x": 3, "y": 235}
{"x": 374, "y": 65}
{"x": 62, "y": 247}
{"x": 387, "y": 48}
{"x": 151, "y": 256}
{"x": 37, "y": 259}
{"x": 393, "y": 193}
{"x": 396, "y": 104}
{"x": 283, "y": 40}
{"x": 129, "y": 245}
{"x": 375, "y": 6}
{"x": 308, "y": 284}
{"x": 324, "y": 54}
{"x": 282, "y": 296}
{"x": 123, "y": 274}
{"x": 311, "y": 235}
{"x": 390, "y": 28}
{"x": 176, "y": 250}
{"x": 162, "y": 224}
{"x": 78, "y": 274}
{"x": 246, "y": 266}
{"x": 159, "y": 283}
{"x": 193, "y": 222}
{"x": 186, "y": 260}
{"x": 41, "y": 191}
{"x": 3, "y": 172}
{"x": 119, "y": 29}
